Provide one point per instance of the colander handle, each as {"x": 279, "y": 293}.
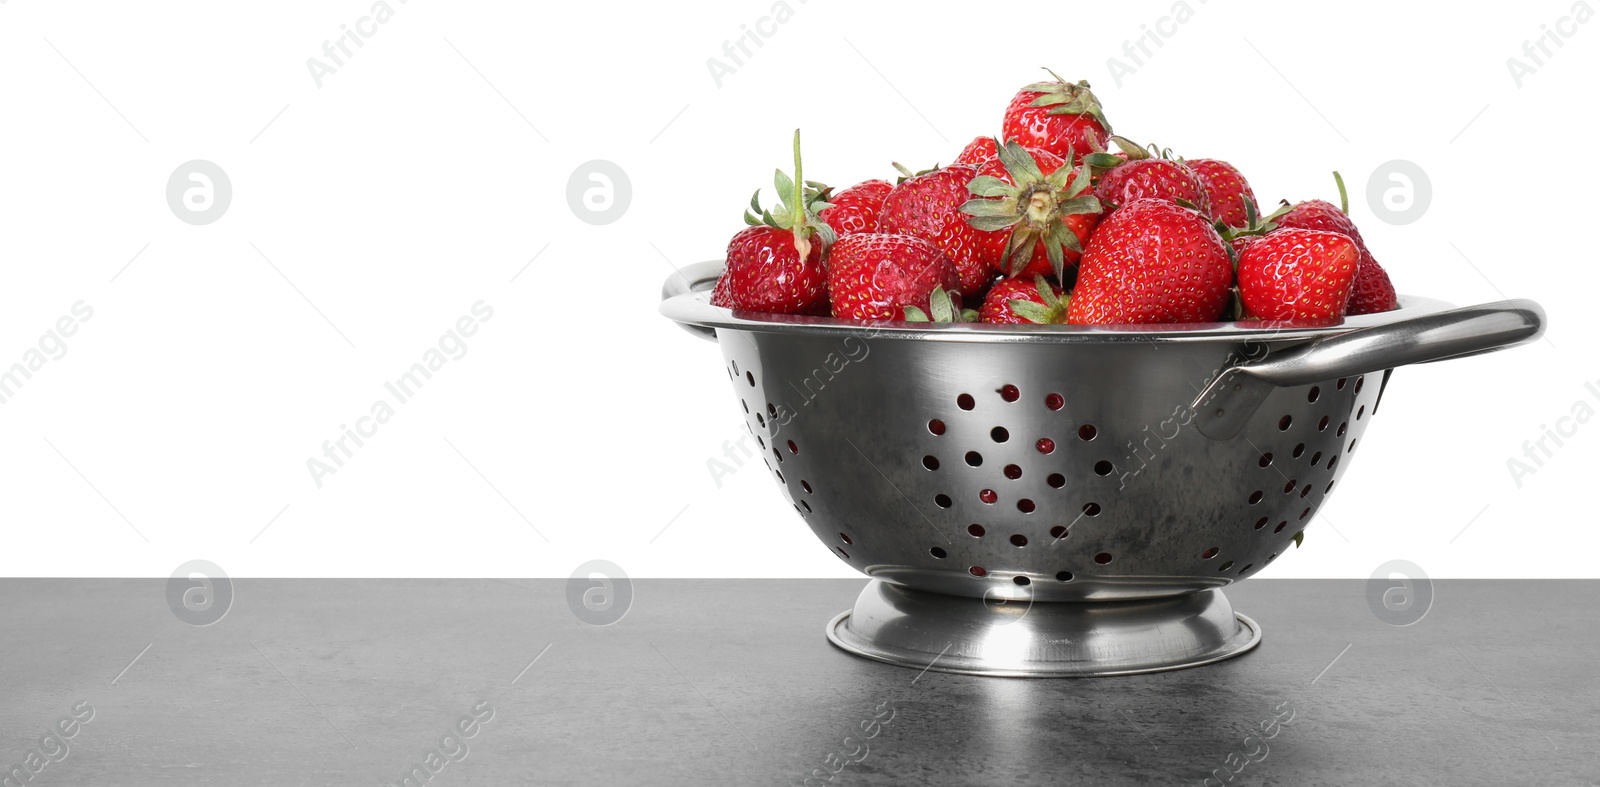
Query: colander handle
{"x": 1224, "y": 407}
{"x": 689, "y": 278}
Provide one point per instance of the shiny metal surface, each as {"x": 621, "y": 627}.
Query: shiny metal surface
{"x": 1223, "y": 408}
{"x": 945, "y": 633}
{"x": 1065, "y": 463}
{"x": 1129, "y": 501}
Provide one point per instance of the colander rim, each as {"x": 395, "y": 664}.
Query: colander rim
{"x": 691, "y": 306}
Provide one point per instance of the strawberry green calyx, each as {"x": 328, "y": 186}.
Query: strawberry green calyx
{"x": 1133, "y": 150}
{"x": 1254, "y": 223}
{"x": 1069, "y": 98}
{"x": 943, "y": 308}
{"x": 1032, "y": 208}
{"x": 799, "y": 202}
{"x": 1052, "y": 312}
{"x": 1100, "y": 161}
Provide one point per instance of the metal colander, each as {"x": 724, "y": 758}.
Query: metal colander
{"x": 1064, "y": 500}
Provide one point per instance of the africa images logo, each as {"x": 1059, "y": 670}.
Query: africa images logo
{"x": 452, "y": 346}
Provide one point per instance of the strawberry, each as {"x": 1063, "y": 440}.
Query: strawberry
{"x": 875, "y": 276}
{"x": 1142, "y": 176}
{"x": 1225, "y": 188}
{"x": 1373, "y": 292}
{"x": 928, "y": 206}
{"x": 776, "y": 264}
{"x": 1316, "y": 214}
{"x": 1152, "y": 261}
{"x": 1035, "y": 210}
{"x": 1295, "y": 274}
{"x": 1021, "y": 302}
{"x": 856, "y": 209}
{"x": 979, "y": 150}
{"x": 765, "y": 274}
{"x": 1061, "y": 117}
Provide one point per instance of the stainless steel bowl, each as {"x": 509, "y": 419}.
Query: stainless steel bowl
{"x": 1064, "y": 500}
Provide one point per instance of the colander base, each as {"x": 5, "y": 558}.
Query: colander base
{"x": 943, "y": 633}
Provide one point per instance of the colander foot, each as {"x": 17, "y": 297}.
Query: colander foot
{"x": 943, "y": 633}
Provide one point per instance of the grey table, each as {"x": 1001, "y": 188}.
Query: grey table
{"x": 349, "y": 682}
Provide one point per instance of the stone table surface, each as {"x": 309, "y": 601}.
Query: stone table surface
{"x": 354, "y": 682}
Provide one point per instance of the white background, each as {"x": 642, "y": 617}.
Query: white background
{"x": 427, "y": 171}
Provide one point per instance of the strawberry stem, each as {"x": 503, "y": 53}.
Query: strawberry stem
{"x": 802, "y": 243}
{"x": 1344, "y": 199}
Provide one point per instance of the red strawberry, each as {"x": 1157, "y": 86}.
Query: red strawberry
{"x": 856, "y": 209}
{"x": 765, "y": 274}
{"x": 928, "y": 206}
{"x": 1058, "y": 116}
{"x": 775, "y": 265}
{"x": 1036, "y": 210}
{"x": 979, "y": 150}
{"x": 874, "y": 276}
{"x": 1225, "y": 188}
{"x": 1023, "y": 302}
{"x": 1152, "y": 261}
{"x": 1159, "y": 178}
{"x": 1316, "y": 214}
{"x": 1373, "y": 292}
{"x": 1293, "y": 274}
